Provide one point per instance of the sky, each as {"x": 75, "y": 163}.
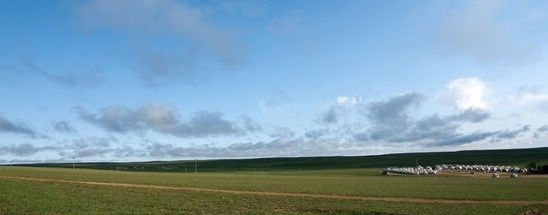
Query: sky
{"x": 139, "y": 80}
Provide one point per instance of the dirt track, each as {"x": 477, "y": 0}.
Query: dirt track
{"x": 261, "y": 193}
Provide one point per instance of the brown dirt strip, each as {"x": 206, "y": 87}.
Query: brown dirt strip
{"x": 262, "y": 193}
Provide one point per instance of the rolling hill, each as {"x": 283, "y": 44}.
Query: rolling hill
{"x": 518, "y": 157}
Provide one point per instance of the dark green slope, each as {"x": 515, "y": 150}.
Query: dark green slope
{"x": 519, "y": 157}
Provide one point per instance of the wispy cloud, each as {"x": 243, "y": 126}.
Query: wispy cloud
{"x": 87, "y": 78}
{"x": 24, "y": 149}
{"x": 543, "y": 128}
{"x": 476, "y": 31}
{"x": 273, "y": 148}
{"x": 162, "y": 118}
{"x": 317, "y": 133}
{"x": 330, "y": 116}
{"x": 16, "y": 128}
{"x": 149, "y": 18}
{"x": 90, "y": 147}
{"x": 460, "y": 139}
{"x": 64, "y": 127}
{"x": 511, "y": 134}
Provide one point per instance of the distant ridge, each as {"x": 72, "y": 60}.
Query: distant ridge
{"x": 518, "y": 157}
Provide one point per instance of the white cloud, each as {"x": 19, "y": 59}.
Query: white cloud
{"x": 348, "y": 100}
{"x": 468, "y": 93}
{"x": 532, "y": 93}
{"x": 530, "y": 98}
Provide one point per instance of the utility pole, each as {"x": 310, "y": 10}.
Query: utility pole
{"x": 417, "y": 161}
{"x": 195, "y": 166}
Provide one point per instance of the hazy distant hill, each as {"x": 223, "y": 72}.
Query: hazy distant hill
{"x": 519, "y": 157}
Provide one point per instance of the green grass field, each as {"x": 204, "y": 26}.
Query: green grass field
{"x": 321, "y": 185}
{"x": 32, "y": 197}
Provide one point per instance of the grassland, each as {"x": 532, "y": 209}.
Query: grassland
{"x": 321, "y": 185}
{"x": 32, "y": 197}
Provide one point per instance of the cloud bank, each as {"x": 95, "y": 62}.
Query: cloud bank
{"x": 164, "y": 119}
{"x": 16, "y": 128}
{"x": 368, "y": 127}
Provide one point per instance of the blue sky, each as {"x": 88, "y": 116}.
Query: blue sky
{"x": 157, "y": 80}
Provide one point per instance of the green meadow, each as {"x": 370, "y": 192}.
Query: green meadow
{"x": 330, "y": 186}
{"x": 38, "y": 197}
